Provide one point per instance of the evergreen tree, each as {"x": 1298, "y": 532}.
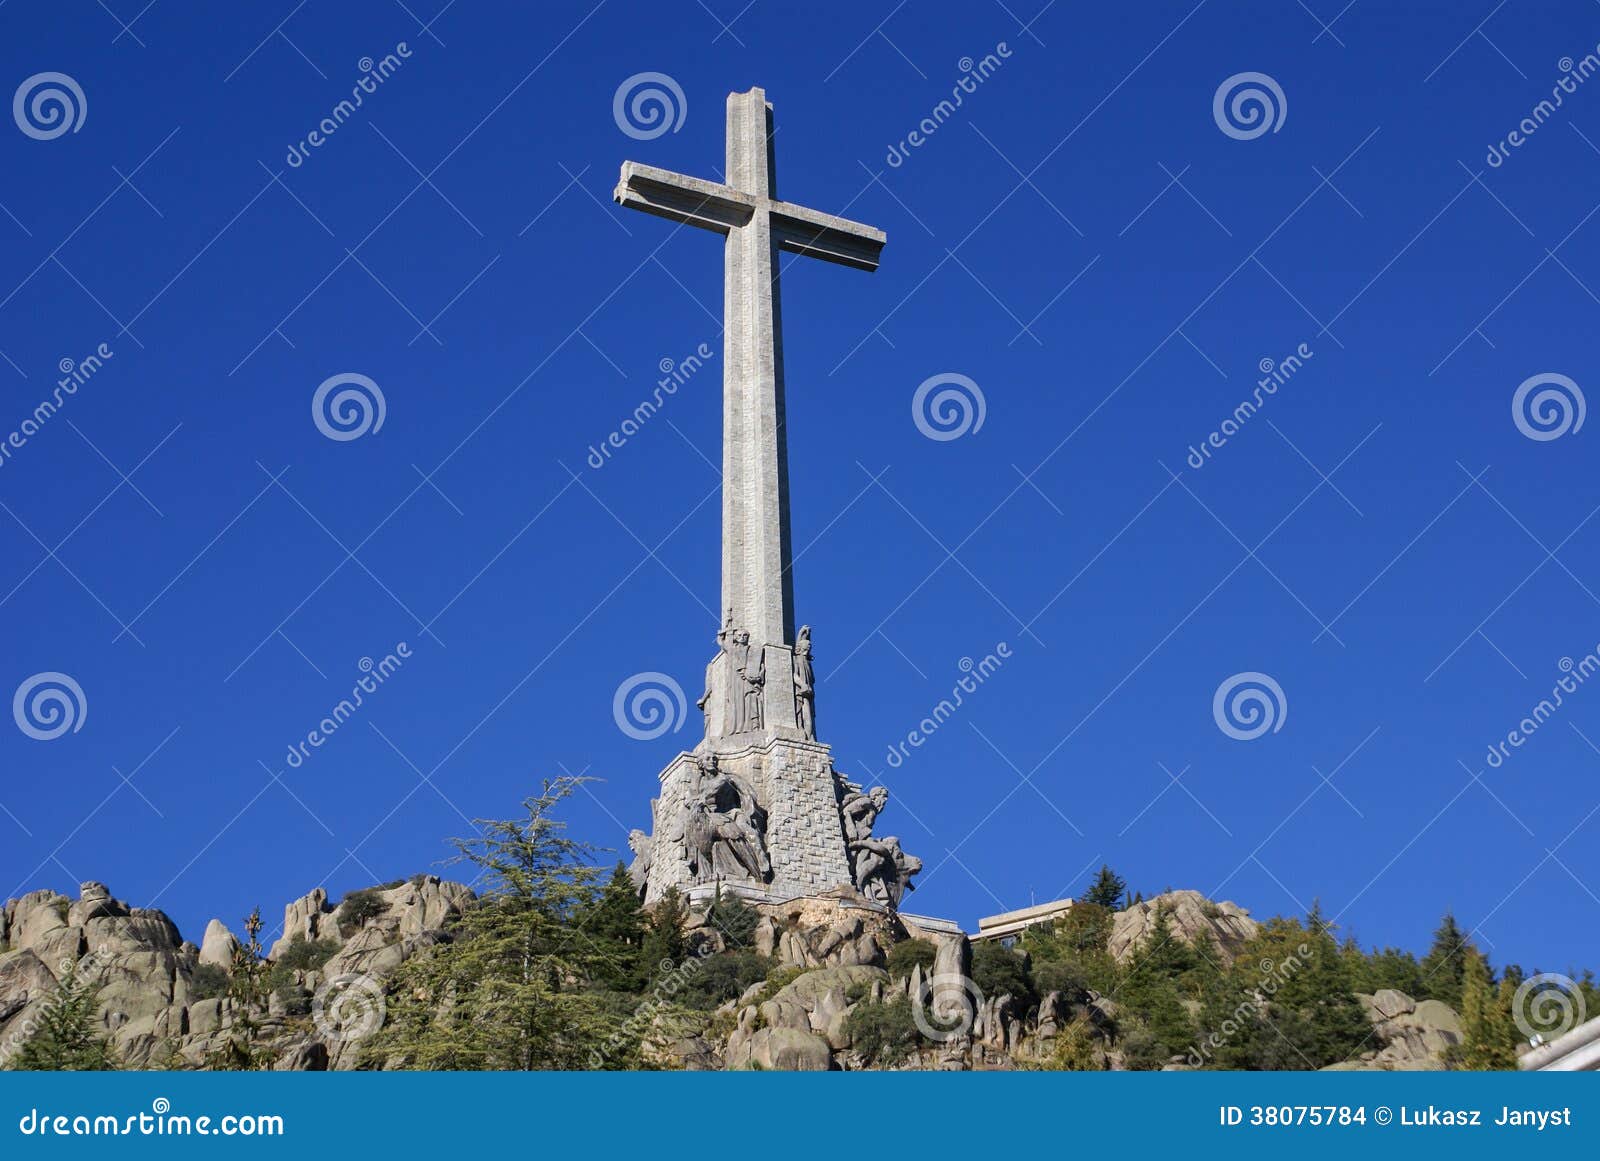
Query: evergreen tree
{"x": 68, "y": 1036}
{"x": 1444, "y": 967}
{"x": 1151, "y": 992}
{"x": 734, "y": 918}
{"x": 1489, "y": 1034}
{"x": 509, "y": 990}
{"x": 615, "y": 921}
{"x": 665, "y": 944}
{"x": 1107, "y": 890}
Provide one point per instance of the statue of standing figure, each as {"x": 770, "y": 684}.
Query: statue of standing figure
{"x": 804, "y": 685}
{"x": 752, "y": 669}
{"x": 725, "y": 637}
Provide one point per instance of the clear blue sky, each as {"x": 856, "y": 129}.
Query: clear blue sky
{"x": 1420, "y": 566}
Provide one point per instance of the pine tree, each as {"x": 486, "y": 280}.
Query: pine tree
{"x": 616, "y": 922}
{"x": 1151, "y": 989}
{"x": 734, "y": 918}
{"x": 68, "y": 1037}
{"x": 1107, "y": 890}
{"x": 1488, "y": 1034}
{"x": 509, "y": 990}
{"x": 1444, "y": 967}
{"x": 665, "y": 944}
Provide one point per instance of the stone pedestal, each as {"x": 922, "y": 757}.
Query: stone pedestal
{"x": 793, "y": 782}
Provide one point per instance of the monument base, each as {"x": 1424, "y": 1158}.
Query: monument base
{"x": 794, "y": 809}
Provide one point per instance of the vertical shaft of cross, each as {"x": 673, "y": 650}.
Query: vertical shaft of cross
{"x": 757, "y": 583}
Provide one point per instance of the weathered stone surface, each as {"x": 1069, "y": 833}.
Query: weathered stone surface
{"x": 1190, "y": 914}
{"x": 779, "y": 1049}
{"x": 219, "y": 945}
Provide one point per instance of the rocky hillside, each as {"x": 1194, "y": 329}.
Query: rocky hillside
{"x": 164, "y": 1000}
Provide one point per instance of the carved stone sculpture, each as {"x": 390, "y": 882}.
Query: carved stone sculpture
{"x": 804, "y": 690}
{"x": 883, "y": 871}
{"x": 643, "y": 852}
{"x": 860, "y": 811}
{"x": 724, "y": 827}
{"x": 725, "y": 637}
{"x": 752, "y": 669}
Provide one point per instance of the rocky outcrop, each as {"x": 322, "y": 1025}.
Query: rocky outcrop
{"x": 1412, "y": 1035}
{"x": 1190, "y": 915}
{"x": 152, "y": 1009}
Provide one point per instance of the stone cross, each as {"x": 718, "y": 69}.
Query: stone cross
{"x": 756, "y": 554}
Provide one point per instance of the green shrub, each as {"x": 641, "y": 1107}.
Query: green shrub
{"x": 723, "y": 977}
{"x": 998, "y": 971}
{"x": 208, "y": 982}
{"x": 884, "y": 1033}
{"x": 1061, "y": 975}
{"x": 734, "y": 918}
{"x": 909, "y": 954}
{"x": 303, "y": 955}
{"x": 358, "y": 907}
